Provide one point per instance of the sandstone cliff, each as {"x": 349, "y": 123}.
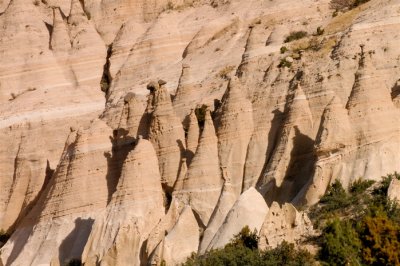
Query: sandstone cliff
{"x": 103, "y": 158}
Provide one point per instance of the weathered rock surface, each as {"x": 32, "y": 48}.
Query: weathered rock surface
{"x": 61, "y": 220}
{"x": 284, "y": 224}
{"x": 182, "y": 240}
{"x": 234, "y": 128}
{"x": 203, "y": 182}
{"x": 224, "y": 205}
{"x": 394, "y": 190}
{"x": 287, "y": 122}
{"x": 167, "y": 135}
{"x": 192, "y": 139}
{"x": 134, "y": 210}
{"x": 250, "y": 209}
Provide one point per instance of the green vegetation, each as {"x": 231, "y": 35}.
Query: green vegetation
{"x": 359, "y": 226}
{"x": 284, "y": 49}
{"x": 242, "y": 250}
{"x": 284, "y": 63}
{"x": 295, "y": 35}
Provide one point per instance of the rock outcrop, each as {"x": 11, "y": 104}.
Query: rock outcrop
{"x": 234, "y": 129}
{"x": 167, "y": 135}
{"x": 394, "y": 190}
{"x": 203, "y": 182}
{"x": 192, "y": 139}
{"x": 287, "y": 119}
{"x": 284, "y": 224}
{"x": 249, "y": 210}
{"x": 61, "y": 220}
{"x": 135, "y": 209}
{"x": 182, "y": 240}
{"x": 294, "y": 144}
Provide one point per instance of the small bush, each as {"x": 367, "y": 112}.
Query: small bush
{"x": 340, "y": 244}
{"x": 284, "y": 63}
{"x": 224, "y": 73}
{"x": 360, "y": 186}
{"x": 246, "y": 238}
{"x": 242, "y": 250}
{"x": 284, "y": 49}
{"x": 295, "y": 35}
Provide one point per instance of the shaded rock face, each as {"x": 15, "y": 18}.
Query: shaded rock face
{"x": 77, "y": 180}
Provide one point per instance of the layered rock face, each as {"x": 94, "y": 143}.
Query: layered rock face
{"x": 103, "y": 158}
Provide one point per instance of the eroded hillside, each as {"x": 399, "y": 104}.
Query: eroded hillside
{"x": 135, "y": 131}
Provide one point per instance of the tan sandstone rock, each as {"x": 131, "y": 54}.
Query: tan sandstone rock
{"x": 284, "y": 224}
{"x": 234, "y": 128}
{"x": 203, "y": 183}
{"x": 250, "y": 209}
{"x": 135, "y": 208}
{"x": 394, "y": 190}
{"x": 167, "y": 135}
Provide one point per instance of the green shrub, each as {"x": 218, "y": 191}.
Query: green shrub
{"x": 340, "y": 244}
{"x": 287, "y": 254}
{"x": 284, "y": 49}
{"x": 295, "y": 35}
{"x": 245, "y": 238}
{"x": 360, "y": 186}
{"x": 284, "y": 63}
{"x": 242, "y": 250}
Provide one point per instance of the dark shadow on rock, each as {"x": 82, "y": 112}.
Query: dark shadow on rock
{"x": 122, "y": 144}
{"x": 72, "y": 246}
{"x": 300, "y": 169}
{"x": 276, "y": 128}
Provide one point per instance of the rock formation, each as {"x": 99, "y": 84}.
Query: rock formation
{"x": 225, "y": 202}
{"x": 394, "y": 190}
{"x": 167, "y": 135}
{"x": 182, "y": 240}
{"x": 294, "y": 144}
{"x": 61, "y": 220}
{"x": 192, "y": 139}
{"x": 284, "y": 224}
{"x": 234, "y": 128}
{"x": 135, "y": 208}
{"x": 203, "y": 183}
{"x": 284, "y": 121}
{"x": 250, "y": 209}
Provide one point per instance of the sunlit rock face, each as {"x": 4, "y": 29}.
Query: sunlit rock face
{"x": 133, "y": 129}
